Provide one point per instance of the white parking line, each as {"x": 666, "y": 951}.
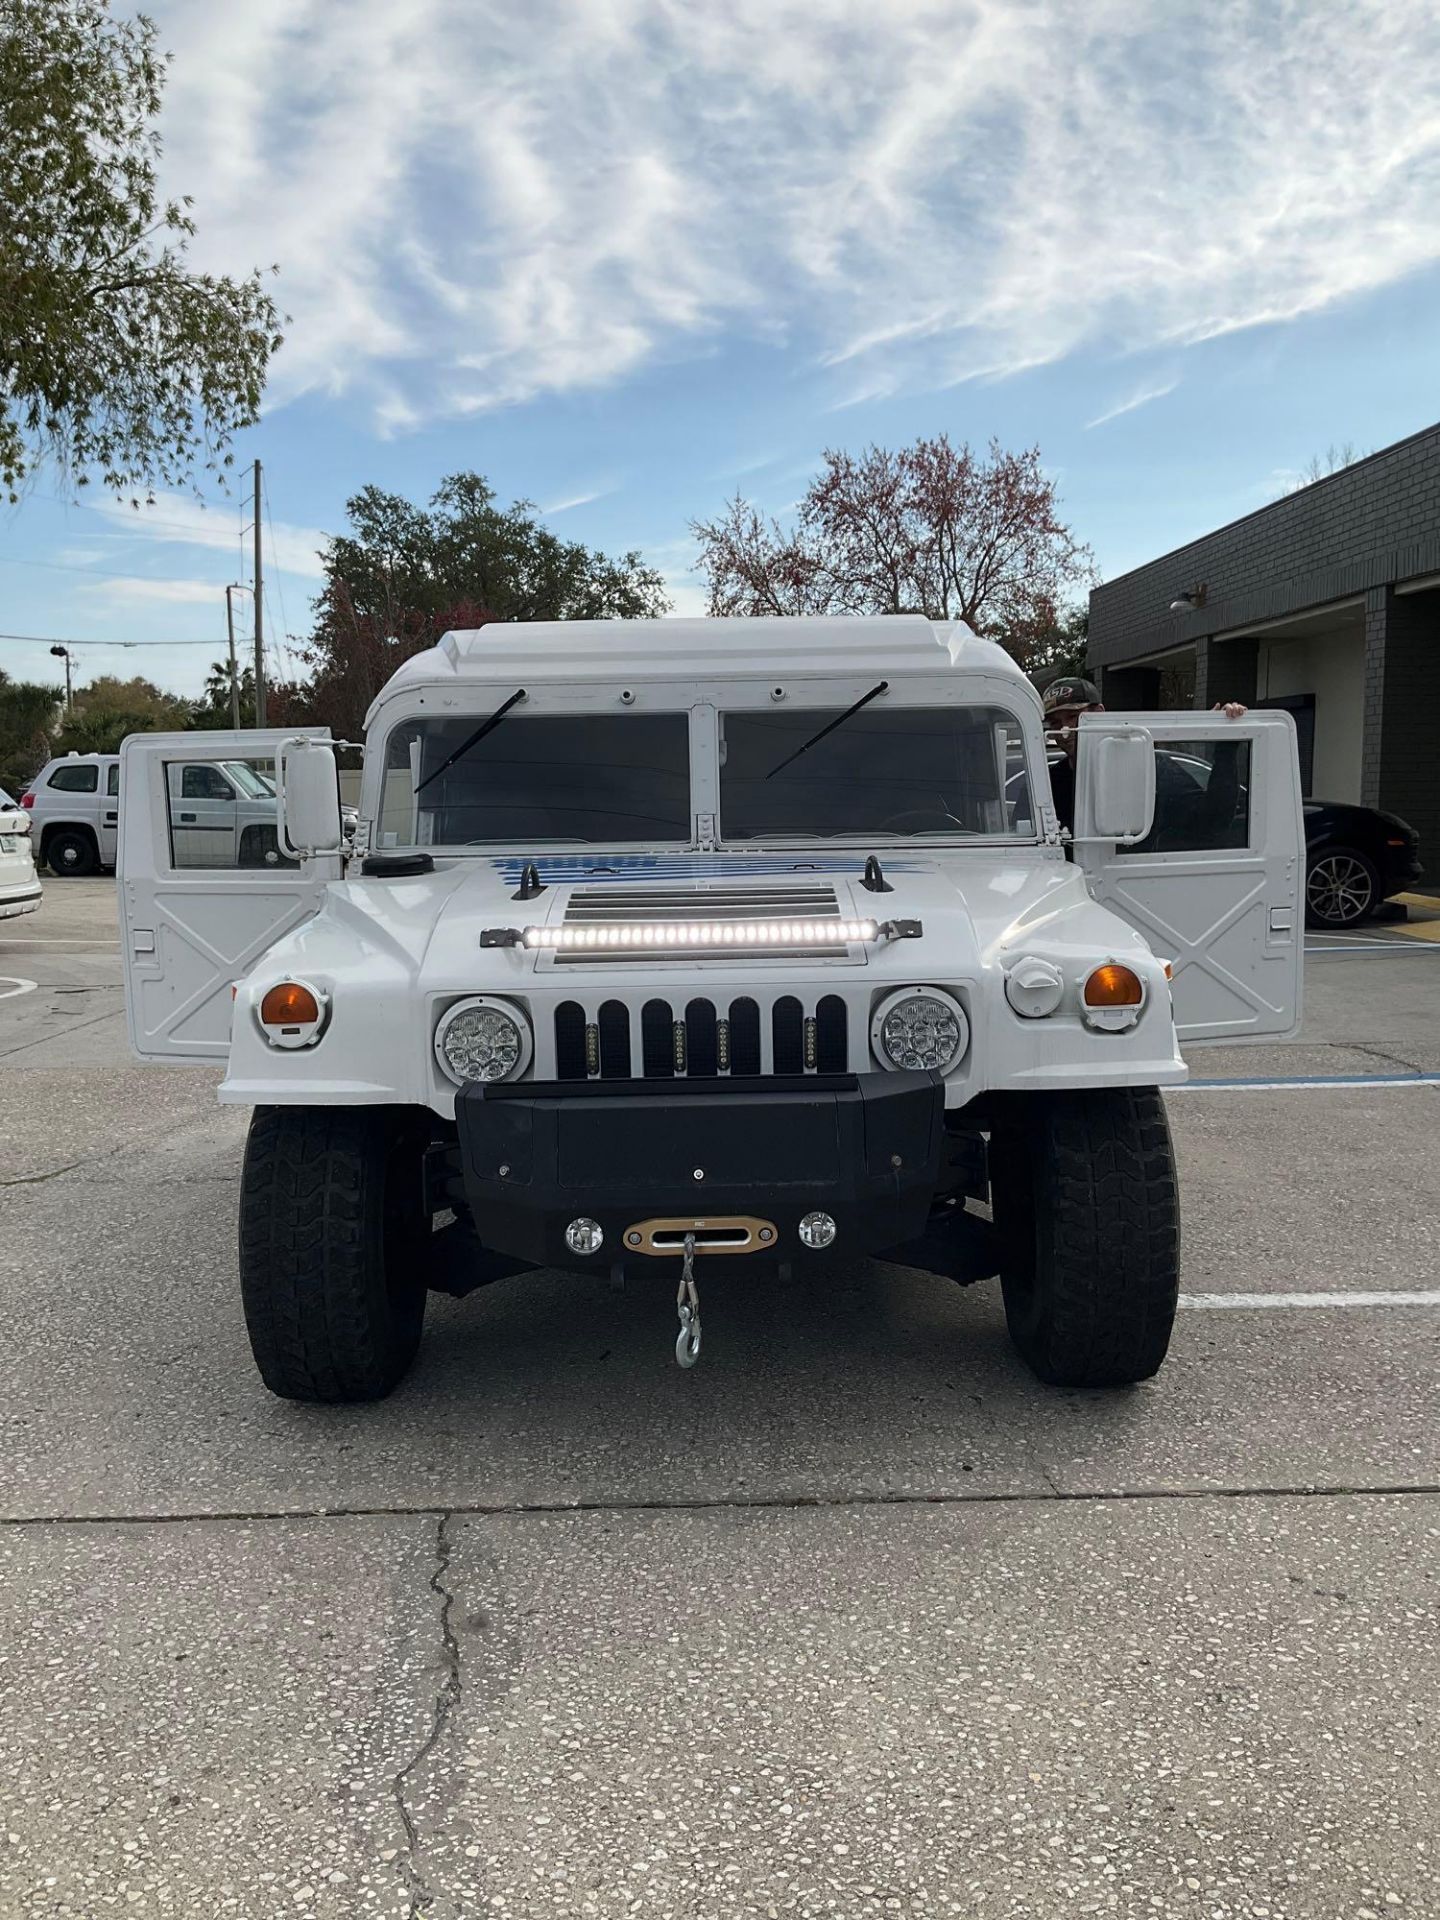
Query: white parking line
{"x": 1420, "y": 1297}
{"x": 1371, "y": 948}
{"x": 11, "y": 986}
{"x": 1307, "y": 1082}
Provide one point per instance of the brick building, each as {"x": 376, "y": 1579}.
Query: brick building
{"x": 1326, "y": 602}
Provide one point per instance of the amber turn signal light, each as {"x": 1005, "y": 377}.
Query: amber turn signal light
{"x": 1112, "y": 986}
{"x": 289, "y": 1005}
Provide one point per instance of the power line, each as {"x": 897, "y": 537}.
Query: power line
{"x": 63, "y": 640}
{"x": 61, "y": 566}
{"x": 283, "y": 644}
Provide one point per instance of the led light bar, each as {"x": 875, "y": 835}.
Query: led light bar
{"x": 704, "y": 933}
{"x": 637, "y": 937}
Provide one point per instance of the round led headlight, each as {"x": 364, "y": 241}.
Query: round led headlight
{"x": 483, "y": 1040}
{"x": 920, "y": 1027}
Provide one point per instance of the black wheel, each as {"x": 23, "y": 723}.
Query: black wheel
{"x": 71, "y": 852}
{"x": 1342, "y": 888}
{"x": 1088, "y": 1221}
{"x": 260, "y": 847}
{"x": 330, "y": 1250}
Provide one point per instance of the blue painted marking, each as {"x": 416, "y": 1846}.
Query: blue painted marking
{"x": 603, "y": 867}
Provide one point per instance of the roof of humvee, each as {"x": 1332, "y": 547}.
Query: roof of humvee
{"x": 684, "y": 649}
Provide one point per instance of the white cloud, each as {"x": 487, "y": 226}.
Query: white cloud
{"x": 475, "y": 202}
{"x": 576, "y": 500}
{"x": 127, "y": 589}
{"x": 178, "y": 518}
{"x": 1140, "y": 399}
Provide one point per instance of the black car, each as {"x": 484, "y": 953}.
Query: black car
{"x": 1356, "y": 856}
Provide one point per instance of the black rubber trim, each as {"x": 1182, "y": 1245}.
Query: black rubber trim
{"x": 396, "y": 866}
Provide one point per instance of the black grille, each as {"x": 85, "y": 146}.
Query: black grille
{"x": 614, "y": 1036}
{"x": 699, "y": 1039}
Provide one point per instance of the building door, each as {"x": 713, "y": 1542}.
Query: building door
{"x": 1301, "y": 709}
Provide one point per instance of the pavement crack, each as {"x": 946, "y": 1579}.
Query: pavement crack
{"x": 422, "y": 1894}
{"x": 1390, "y": 1059}
{"x": 37, "y": 1179}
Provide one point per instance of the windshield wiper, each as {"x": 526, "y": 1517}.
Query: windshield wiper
{"x": 485, "y": 726}
{"x": 838, "y": 721}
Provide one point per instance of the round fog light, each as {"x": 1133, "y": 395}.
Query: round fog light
{"x": 817, "y": 1230}
{"x": 584, "y": 1236}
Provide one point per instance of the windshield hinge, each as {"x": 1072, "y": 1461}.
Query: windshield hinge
{"x": 705, "y": 832}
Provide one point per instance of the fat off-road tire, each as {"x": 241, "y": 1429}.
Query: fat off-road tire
{"x": 330, "y": 1251}
{"x": 1088, "y": 1219}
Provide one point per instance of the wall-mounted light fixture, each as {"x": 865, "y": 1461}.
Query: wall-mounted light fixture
{"x": 1189, "y": 599}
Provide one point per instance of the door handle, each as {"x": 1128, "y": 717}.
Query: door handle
{"x": 112, "y": 819}
{"x": 186, "y": 816}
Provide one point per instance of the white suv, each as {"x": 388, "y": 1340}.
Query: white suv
{"x": 19, "y": 887}
{"x": 227, "y": 806}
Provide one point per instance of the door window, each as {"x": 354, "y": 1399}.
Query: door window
{"x": 84, "y": 779}
{"x": 208, "y": 828}
{"x": 1202, "y": 798}
{"x": 205, "y": 783}
{"x": 112, "y": 780}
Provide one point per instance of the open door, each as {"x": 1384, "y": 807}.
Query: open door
{"x": 1217, "y": 887}
{"x": 199, "y": 901}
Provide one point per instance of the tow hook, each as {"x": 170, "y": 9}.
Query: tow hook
{"x": 687, "y": 1305}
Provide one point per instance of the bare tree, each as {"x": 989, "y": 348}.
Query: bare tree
{"x": 1321, "y": 465}
{"x": 933, "y": 529}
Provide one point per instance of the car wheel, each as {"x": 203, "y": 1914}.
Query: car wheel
{"x": 260, "y": 847}
{"x": 1342, "y": 888}
{"x": 69, "y": 854}
{"x": 1088, "y": 1222}
{"x": 332, "y": 1272}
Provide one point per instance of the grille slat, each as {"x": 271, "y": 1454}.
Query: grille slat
{"x": 786, "y": 1029}
{"x": 569, "y": 1041}
{"x": 614, "y": 1024}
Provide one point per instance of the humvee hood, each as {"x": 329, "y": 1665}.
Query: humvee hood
{"x": 965, "y": 906}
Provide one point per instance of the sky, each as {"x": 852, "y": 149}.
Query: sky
{"x": 627, "y": 257}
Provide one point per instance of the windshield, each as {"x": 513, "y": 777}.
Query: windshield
{"x": 541, "y": 779}
{"x": 252, "y": 784}
{"x": 903, "y": 771}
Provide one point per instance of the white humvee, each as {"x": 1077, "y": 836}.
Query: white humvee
{"x": 661, "y": 943}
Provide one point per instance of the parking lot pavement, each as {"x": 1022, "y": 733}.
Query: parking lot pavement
{"x": 854, "y": 1618}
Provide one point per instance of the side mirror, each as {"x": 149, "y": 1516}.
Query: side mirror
{"x": 1118, "y": 771}
{"x": 307, "y": 799}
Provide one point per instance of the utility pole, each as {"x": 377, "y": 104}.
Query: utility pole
{"x": 234, "y": 666}
{"x": 259, "y": 614}
{"x": 63, "y": 653}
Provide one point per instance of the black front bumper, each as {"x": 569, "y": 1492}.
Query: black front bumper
{"x": 1400, "y": 868}
{"x": 864, "y": 1148}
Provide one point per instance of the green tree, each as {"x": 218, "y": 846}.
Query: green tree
{"x": 27, "y": 714}
{"x": 213, "y": 707}
{"x": 102, "y": 713}
{"x": 113, "y": 354}
{"x": 1060, "y": 647}
{"x": 402, "y": 576}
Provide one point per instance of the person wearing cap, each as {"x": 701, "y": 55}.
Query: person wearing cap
{"x": 1065, "y": 700}
{"x": 1070, "y": 696}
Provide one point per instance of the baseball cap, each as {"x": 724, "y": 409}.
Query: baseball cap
{"x": 1071, "y": 693}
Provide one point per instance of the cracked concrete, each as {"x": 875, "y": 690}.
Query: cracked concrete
{"x": 854, "y": 1620}
{"x": 423, "y": 1896}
